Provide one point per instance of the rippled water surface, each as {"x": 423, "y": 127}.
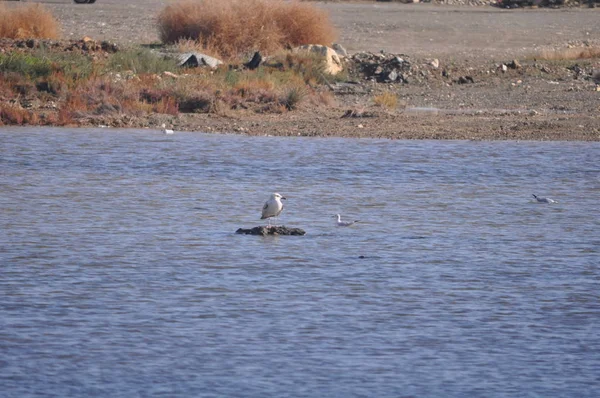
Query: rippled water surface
{"x": 121, "y": 274}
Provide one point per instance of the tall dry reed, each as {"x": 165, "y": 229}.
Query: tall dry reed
{"x": 32, "y": 21}
{"x": 237, "y": 27}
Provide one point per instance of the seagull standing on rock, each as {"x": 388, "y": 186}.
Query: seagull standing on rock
{"x": 273, "y": 207}
{"x": 543, "y": 200}
{"x": 341, "y": 223}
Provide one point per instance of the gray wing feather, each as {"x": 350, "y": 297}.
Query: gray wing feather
{"x": 264, "y": 211}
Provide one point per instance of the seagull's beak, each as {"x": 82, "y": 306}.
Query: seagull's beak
{"x": 284, "y": 198}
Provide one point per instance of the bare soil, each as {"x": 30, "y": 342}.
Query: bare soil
{"x": 542, "y": 100}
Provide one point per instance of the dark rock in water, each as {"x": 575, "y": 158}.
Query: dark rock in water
{"x": 272, "y": 230}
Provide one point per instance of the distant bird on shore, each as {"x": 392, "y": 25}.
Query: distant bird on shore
{"x": 543, "y": 200}
{"x": 341, "y": 223}
{"x": 165, "y": 130}
{"x": 273, "y": 207}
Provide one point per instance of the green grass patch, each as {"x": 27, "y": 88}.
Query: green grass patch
{"x": 141, "y": 61}
{"x": 26, "y": 65}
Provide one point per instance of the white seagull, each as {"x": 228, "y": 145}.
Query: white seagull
{"x": 272, "y": 207}
{"x": 341, "y": 223}
{"x": 165, "y": 130}
{"x": 543, "y": 200}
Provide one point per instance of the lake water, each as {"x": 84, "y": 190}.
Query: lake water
{"x": 121, "y": 274}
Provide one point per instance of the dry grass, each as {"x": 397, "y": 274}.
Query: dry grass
{"x": 567, "y": 54}
{"x": 11, "y": 114}
{"x": 31, "y": 21}
{"x": 323, "y": 98}
{"x": 233, "y": 28}
{"x": 386, "y": 100}
{"x": 133, "y": 83}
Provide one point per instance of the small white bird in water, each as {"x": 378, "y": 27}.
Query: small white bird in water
{"x": 273, "y": 207}
{"x": 543, "y": 200}
{"x": 341, "y": 223}
{"x": 165, "y": 130}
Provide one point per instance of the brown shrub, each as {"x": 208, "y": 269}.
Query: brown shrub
{"x": 166, "y": 105}
{"x": 31, "y": 21}
{"x": 236, "y": 27}
{"x": 303, "y": 23}
{"x": 568, "y": 54}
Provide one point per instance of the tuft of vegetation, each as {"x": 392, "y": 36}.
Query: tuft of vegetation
{"x": 141, "y": 61}
{"x": 43, "y": 64}
{"x": 293, "y": 97}
{"x": 27, "y": 65}
{"x": 30, "y": 21}
{"x": 386, "y": 100}
{"x": 233, "y": 28}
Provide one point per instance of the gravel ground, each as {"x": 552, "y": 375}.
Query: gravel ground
{"x": 418, "y": 29}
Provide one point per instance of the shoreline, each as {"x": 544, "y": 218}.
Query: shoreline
{"x": 524, "y": 128}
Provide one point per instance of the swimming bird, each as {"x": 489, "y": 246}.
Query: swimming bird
{"x": 341, "y": 223}
{"x": 543, "y": 200}
{"x": 165, "y": 130}
{"x": 273, "y": 207}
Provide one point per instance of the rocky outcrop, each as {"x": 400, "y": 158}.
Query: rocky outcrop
{"x": 271, "y": 230}
{"x": 383, "y": 67}
{"x": 333, "y": 62}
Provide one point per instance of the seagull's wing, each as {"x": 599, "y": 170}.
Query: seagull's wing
{"x": 265, "y": 211}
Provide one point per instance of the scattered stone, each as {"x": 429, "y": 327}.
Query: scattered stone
{"x": 357, "y": 113}
{"x": 195, "y": 59}
{"x": 465, "y": 80}
{"x": 254, "y": 62}
{"x": 514, "y": 64}
{"x": 333, "y": 63}
{"x": 382, "y": 67}
{"x": 503, "y": 68}
{"x": 272, "y": 230}
{"x": 109, "y": 47}
{"x": 389, "y": 76}
{"x": 577, "y": 70}
{"x": 435, "y": 63}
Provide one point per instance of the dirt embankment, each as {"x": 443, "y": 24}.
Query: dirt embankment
{"x": 539, "y": 100}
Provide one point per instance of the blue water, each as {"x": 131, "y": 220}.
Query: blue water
{"x": 121, "y": 274}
